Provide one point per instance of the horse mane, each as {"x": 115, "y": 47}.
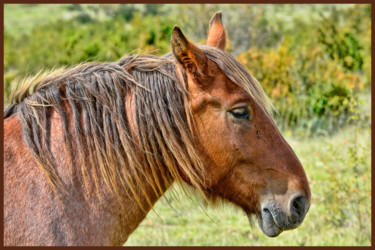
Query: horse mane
{"x": 163, "y": 143}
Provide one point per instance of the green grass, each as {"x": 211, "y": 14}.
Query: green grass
{"x": 339, "y": 173}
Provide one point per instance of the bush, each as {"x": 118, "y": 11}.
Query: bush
{"x": 348, "y": 187}
{"x": 307, "y": 88}
{"x": 315, "y": 84}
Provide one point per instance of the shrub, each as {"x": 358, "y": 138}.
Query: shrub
{"x": 348, "y": 187}
{"x": 315, "y": 84}
{"x": 307, "y": 88}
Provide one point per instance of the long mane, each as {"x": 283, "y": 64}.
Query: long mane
{"x": 162, "y": 145}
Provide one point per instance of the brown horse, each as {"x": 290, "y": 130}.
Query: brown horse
{"x": 91, "y": 150}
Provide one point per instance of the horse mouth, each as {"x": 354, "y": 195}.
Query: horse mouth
{"x": 268, "y": 224}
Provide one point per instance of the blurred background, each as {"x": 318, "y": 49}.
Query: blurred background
{"x": 313, "y": 61}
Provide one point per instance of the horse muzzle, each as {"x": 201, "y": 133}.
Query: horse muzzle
{"x": 273, "y": 219}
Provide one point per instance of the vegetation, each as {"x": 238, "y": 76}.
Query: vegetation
{"x": 312, "y": 60}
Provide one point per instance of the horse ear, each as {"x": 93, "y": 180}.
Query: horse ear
{"x": 216, "y": 35}
{"x": 191, "y": 58}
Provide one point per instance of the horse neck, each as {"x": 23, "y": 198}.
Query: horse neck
{"x": 127, "y": 213}
{"x": 115, "y": 219}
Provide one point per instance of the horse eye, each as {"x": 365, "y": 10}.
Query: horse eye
{"x": 240, "y": 113}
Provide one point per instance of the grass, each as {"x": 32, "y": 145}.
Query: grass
{"x": 339, "y": 173}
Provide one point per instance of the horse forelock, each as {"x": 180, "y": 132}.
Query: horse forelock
{"x": 239, "y": 75}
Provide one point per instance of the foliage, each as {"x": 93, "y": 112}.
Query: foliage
{"x": 347, "y": 188}
{"x": 346, "y": 44}
{"x": 308, "y": 89}
{"x": 312, "y": 81}
{"x": 314, "y": 85}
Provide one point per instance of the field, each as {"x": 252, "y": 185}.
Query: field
{"x": 313, "y": 62}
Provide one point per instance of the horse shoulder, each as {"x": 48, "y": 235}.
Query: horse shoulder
{"x": 33, "y": 215}
{"x": 22, "y": 178}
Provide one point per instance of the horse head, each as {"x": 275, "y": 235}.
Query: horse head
{"x": 246, "y": 159}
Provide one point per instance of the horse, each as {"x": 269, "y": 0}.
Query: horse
{"x": 88, "y": 150}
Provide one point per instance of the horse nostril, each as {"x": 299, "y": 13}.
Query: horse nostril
{"x": 266, "y": 210}
{"x": 298, "y": 206}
